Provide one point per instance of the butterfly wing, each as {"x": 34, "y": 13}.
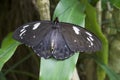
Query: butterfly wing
{"x": 79, "y": 39}
{"x": 32, "y": 33}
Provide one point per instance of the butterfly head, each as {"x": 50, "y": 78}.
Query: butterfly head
{"x": 56, "y": 21}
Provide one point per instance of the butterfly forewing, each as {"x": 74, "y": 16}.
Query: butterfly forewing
{"x": 32, "y": 33}
{"x": 79, "y": 39}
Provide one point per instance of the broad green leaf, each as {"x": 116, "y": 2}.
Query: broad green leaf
{"x": 92, "y": 25}
{"x": 67, "y": 11}
{"x": 7, "y": 49}
{"x": 71, "y": 11}
{"x": 57, "y": 70}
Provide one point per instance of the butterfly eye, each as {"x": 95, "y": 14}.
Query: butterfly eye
{"x": 57, "y": 39}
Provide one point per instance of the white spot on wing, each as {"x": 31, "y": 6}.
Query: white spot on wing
{"x": 22, "y": 31}
{"x": 76, "y": 30}
{"x": 65, "y": 46}
{"x": 35, "y": 51}
{"x": 75, "y": 41}
{"x": 34, "y": 36}
{"x": 36, "y": 26}
{"x": 88, "y": 33}
{"x": 37, "y": 54}
{"x": 25, "y": 26}
{"x": 91, "y": 38}
{"x": 91, "y": 43}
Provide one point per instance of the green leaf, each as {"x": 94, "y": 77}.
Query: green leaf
{"x": 116, "y": 3}
{"x": 71, "y": 11}
{"x": 7, "y": 49}
{"x": 67, "y": 11}
{"x": 92, "y": 25}
{"x": 57, "y": 70}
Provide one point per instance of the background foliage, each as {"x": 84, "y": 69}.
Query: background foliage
{"x": 25, "y": 65}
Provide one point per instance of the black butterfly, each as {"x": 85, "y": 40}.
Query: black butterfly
{"x": 56, "y": 39}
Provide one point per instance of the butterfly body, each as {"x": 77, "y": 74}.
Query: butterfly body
{"x": 57, "y": 39}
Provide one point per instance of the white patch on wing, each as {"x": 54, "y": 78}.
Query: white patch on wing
{"x": 35, "y": 26}
{"x": 22, "y": 31}
{"x": 65, "y": 46}
{"x": 91, "y": 43}
{"x": 91, "y": 38}
{"x": 75, "y": 41}
{"x": 34, "y": 36}
{"x": 88, "y": 33}
{"x": 37, "y": 54}
{"x": 76, "y": 30}
{"x": 25, "y": 26}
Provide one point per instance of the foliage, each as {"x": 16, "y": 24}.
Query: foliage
{"x": 77, "y": 12}
{"x": 7, "y": 49}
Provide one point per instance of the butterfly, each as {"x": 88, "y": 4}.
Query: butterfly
{"x": 56, "y": 39}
